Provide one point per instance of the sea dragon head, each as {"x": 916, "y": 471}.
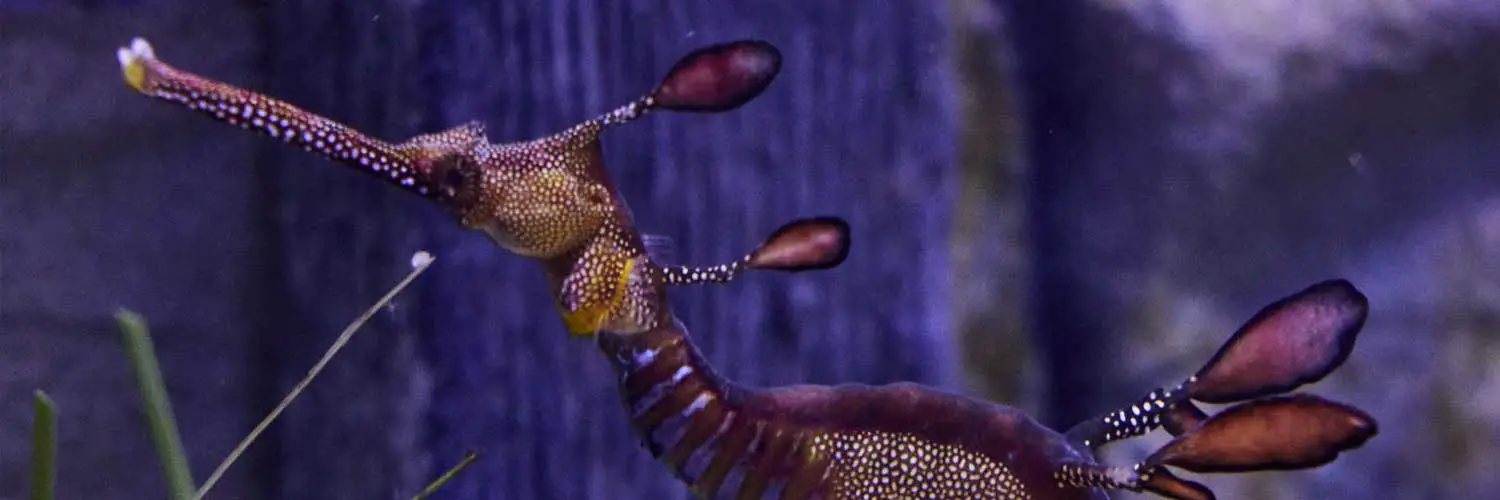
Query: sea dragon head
{"x": 548, "y": 198}
{"x": 539, "y": 198}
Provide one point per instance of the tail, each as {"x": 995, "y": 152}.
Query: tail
{"x": 1295, "y": 341}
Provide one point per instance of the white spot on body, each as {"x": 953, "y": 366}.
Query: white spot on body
{"x": 698, "y": 404}
{"x": 644, "y": 358}
{"x": 682, "y": 373}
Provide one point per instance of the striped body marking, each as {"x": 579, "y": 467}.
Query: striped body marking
{"x": 726, "y": 442}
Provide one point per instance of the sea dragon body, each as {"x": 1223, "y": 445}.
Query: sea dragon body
{"x": 551, "y": 200}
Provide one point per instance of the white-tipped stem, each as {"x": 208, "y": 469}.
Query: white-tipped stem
{"x": 421, "y": 259}
{"x": 420, "y": 262}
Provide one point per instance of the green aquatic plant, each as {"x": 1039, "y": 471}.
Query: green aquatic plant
{"x": 156, "y": 404}
{"x": 469, "y": 458}
{"x": 44, "y": 448}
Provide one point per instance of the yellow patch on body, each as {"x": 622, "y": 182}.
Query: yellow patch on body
{"x": 590, "y": 318}
{"x": 133, "y": 63}
{"x": 135, "y": 76}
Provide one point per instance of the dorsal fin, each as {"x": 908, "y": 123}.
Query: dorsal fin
{"x": 463, "y": 137}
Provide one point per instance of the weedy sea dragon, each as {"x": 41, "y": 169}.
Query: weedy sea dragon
{"x": 550, "y": 199}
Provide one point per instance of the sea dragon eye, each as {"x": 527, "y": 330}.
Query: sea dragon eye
{"x": 455, "y": 174}
{"x": 454, "y": 178}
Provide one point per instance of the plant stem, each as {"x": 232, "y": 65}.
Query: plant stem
{"x": 420, "y": 262}
{"x": 156, "y": 404}
{"x": 44, "y": 449}
{"x": 442, "y": 480}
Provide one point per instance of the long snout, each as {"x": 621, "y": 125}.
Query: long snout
{"x": 398, "y": 165}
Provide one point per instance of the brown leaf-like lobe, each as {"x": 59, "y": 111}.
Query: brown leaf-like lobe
{"x": 1181, "y": 417}
{"x": 719, "y": 77}
{"x": 1279, "y": 433}
{"x": 1164, "y": 483}
{"x": 804, "y": 245}
{"x": 1294, "y": 341}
